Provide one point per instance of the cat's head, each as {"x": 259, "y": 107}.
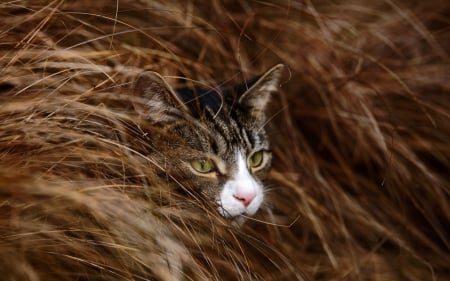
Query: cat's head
{"x": 225, "y": 153}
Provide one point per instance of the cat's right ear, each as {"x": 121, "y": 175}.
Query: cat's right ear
{"x": 255, "y": 99}
{"x": 155, "y": 100}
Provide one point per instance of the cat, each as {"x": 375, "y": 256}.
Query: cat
{"x": 229, "y": 155}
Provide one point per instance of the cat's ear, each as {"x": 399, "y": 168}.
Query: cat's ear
{"x": 155, "y": 100}
{"x": 256, "y": 98}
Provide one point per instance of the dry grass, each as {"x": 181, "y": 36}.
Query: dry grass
{"x": 360, "y": 130}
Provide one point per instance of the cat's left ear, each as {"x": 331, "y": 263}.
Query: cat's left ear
{"x": 255, "y": 99}
{"x": 155, "y": 100}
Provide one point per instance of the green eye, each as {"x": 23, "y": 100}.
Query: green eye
{"x": 256, "y": 159}
{"x": 203, "y": 165}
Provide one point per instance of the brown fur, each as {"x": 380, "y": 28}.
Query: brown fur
{"x": 360, "y": 134}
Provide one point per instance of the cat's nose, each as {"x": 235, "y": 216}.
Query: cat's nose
{"x": 245, "y": 197}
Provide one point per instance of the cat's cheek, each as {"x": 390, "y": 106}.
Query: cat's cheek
{"x": 228, "y": 206}
{"x": 256, "y": 203}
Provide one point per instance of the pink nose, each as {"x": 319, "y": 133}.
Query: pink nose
{"x": 245, "y": 198}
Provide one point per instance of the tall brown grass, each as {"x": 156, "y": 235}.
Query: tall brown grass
{"x": 360, "y": 185}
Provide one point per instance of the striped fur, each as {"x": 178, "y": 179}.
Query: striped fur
{"x": 223, "y": 125}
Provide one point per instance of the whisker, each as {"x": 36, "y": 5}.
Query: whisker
{"x": 273, "y": 224}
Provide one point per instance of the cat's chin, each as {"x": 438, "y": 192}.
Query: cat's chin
{"x": 238, "y": 210}
{"x": 237, "y": 221}
{"x": 229, "y": 207}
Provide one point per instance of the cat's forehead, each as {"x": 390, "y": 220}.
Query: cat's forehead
{"x": 217, "y": 110}
{"x": 231, "y": 117}
{"x": 225, "y": 136}
{"x": 203, "y": 102}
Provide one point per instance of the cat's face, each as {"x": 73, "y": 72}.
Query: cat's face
{"x": 225, "y": 152}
